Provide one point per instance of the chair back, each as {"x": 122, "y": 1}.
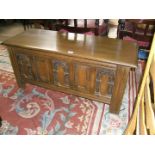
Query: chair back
{"x": 79, "y": 25}
{"x": 143, "y": 119}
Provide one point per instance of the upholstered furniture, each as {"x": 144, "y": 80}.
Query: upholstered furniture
{"x": 137, "y": 30}
{"x": 112, "y": 28}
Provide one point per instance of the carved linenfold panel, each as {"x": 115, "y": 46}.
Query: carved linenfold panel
{"x": 82, "y": 77}
{"x": 104, "y": 81}
{"x": 78, "y": 76}
{"x": 104, "y": 84}
{"x": 92, "y": 83}
{"x": 25, "y": 66}
{"x": 61, "y": 73}
{"x": 42, "y": 69}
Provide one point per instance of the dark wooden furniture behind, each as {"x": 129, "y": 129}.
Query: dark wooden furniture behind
{"x": 138, "y": 29}
{"x": 39, "y": 23}
{"x": 88, "y": 66}
{"x": 79, "y": 25}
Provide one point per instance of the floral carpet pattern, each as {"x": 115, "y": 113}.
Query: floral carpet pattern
{"x": 36, "y": 110}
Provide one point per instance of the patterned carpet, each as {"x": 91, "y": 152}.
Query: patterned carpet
{"x": 36, "y": 110}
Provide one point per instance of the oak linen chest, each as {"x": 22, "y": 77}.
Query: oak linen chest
{"x": 88, "y": 66}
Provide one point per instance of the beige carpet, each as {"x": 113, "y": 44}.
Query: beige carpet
{"x": 10, "y": 30}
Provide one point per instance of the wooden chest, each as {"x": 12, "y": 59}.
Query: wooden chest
{"x": 88, "y": 66}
